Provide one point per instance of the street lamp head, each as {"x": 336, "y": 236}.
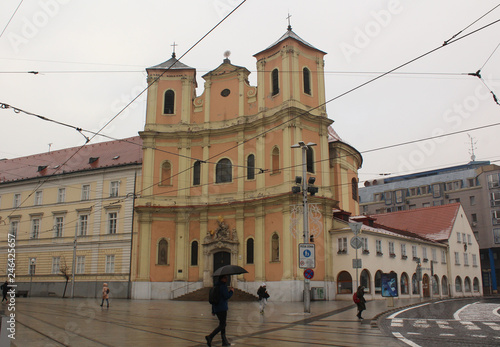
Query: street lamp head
{"x": 310, "y": 144}
{"x": 301, "y": 143}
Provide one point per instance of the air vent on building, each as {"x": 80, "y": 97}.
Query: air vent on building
{"x": 41, "y": 168}
{"x": 93, "y": 159}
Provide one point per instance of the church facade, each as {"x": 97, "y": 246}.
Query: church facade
{"x": 218, "y": 172}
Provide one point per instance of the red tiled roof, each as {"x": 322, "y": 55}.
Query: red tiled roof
{"x": 111, "y": 153}
{"x": 434, "y": 223}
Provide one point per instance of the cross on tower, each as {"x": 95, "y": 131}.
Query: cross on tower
{"x": 289, "y": 24}
{"x": 173, "y": 49}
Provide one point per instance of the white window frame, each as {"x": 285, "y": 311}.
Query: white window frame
{"x": 496, "y": 235}
{"x": 466, "y": 259}
{"x": 35, "y": 228}
{"x": 364, "y": 246}
{"x": 378, "y": 247}
{"x": 58, "y": 226}
{"x": 61, "y": 195}
{"x": 414, "y": 251}
{"x": 110, "y": 264}
{"x": 457, "y": 258}
{"x": 443, "y": 256}
{"x": 474, "y": 260}
{"x": 80, "y": 264}
{"x": 56, "y": 265}
{"x": 83, "y": 224}
{"x": 114, "y": 189}
{"x": 424, "y": 254}
{"x": 434, "y": 254}
{"x": 38, "y": 198}
{"x": 85, "y": 192}
{"x": 342, "y": 245}
{"x": 458, "y": 238}
{"x": 391, "y": 248}
{"x": 14, "y": 227}
{"x": 403, "y": 250}
{"x": 112, "y": 222}
{"x": 469, "y": 239}
{"x": 16, "y": 201}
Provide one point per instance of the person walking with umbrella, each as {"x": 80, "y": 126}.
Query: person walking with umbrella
{"x": 220, "y": 309}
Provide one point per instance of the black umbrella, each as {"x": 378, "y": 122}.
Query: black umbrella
{"x": 229, "y": 270}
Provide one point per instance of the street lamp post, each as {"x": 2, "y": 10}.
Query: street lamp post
{"x": 305, "y": 210}
{"x": 32, "y": 269}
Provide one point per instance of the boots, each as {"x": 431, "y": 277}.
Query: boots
{"x": 225, "y": 342}
{"x": 209, "y": 340}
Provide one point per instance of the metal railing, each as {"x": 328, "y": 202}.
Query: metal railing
{"x": 185, "y": 287}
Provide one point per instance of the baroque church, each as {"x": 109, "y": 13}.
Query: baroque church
{"x": 218, "y": 171}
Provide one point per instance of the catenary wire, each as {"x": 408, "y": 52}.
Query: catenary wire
{"x": 13, "y": 14}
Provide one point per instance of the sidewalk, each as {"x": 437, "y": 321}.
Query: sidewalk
{"x": 82, "y": 322}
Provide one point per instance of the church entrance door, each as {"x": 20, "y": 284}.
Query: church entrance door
{"x": 221, "y": 259}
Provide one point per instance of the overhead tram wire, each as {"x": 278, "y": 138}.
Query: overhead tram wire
{"x": 13, "y": 14}
{"x": 126, "y": 106}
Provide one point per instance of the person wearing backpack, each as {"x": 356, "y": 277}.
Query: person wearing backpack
{"x": 263, "y": 296}
{"x": 105, "y": 294}
{"x": 220, "y": 308}
{"x": 359, "y": 299}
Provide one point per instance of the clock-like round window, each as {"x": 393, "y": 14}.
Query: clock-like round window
{"x": 225, "y": 92}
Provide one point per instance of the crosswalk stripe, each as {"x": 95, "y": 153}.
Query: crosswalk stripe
{"x": 446, "y": 334}
{"x": 493, "y": 326}
{"x": 421, "y": 323}
{"x": 470, "y": 325}
{"x": 405, "y": 340}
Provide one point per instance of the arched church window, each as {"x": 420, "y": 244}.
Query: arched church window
{"x": 306, "y": 74}
{"x": 275, "y": 81}
{"x": 354, "y": 184}
{"x": 166, "y": 174}
{"x": 169, "y": 103}
{"x": 250, "y": 167}
{"x": 250, "y": 251}
{"x": 275, "y": 160}
{"x": 223, "y": 171}
{"x": 275, "y": 247}
{"x": 196, "y": 173}
{"x": 163, "y": 252}
{"x": 194, "y": 253}
{"x": 310, "y": 160}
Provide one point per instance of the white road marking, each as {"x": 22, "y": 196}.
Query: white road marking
{"x": 394, "y": 315}
{"x": 421, "y": 323}
{"x": 470, "y": 325}
{"x": 411, "y": 333}
{"x": 479, "y": 336}
{"x": 446, "y": 334}
{"x": 405, "y": 340}
{"x": 397, "y": 323}
{"x": 443, "y": 324}
{"x": 457, "y": 313}
{"x": 493, "y": 326}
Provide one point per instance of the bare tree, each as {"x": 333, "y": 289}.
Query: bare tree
{"x": 65, "y": 271}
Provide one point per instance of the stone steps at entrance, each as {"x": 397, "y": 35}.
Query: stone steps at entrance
{"x": 202, "y": 295}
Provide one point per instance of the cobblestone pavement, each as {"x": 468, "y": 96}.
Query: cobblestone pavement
{"x": 82, "y": 322}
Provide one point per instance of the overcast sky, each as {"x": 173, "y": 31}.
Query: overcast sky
{"x": 91, "y": 57}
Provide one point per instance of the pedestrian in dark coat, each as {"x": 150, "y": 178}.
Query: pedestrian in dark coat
{"x": 263, "y": 296}
{"x": 361, "y": 301}
{"x": 220, "y": 309}
{"x": 105, "y": 294}
{"x": 5, "y": 289}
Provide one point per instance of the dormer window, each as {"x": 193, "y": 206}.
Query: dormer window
{"x": 169, "y": 103}
{"x": 306, "y": 74}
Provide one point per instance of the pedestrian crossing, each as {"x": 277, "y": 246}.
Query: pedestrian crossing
{"x": 448, "y": 325}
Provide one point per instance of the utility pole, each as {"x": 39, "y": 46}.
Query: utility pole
{"x": 74, "y": 263}
{"x": 305, "y": 210}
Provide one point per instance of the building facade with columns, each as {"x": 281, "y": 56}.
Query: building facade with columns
{"x": 218, "y": 170}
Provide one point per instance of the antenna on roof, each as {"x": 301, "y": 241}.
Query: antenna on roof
{"x": 472, "y": 148}
{"x": 50, "y": 145}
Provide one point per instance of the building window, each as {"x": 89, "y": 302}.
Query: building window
{"x": 473, "y": 218}
{"x": 476, "y": 284}
{"x": 365, "y": 246}
{"x": 364, "y": 280}
{"x": 224, "y": 171}
{"x": 378, "y": 247}
{"x": 457, "y": 258}
{"x": 250, "y": 167}
{"x": 399, "y": 196}
{"x": 83, "y": 224}
{"x": 38, "y": 198}
{"x": 80, "y": 264}
{"x": 471, "y": 182}
{"x": 16, "y": 201}
{"x": 403, "y": 251}
{"x": 14, "y": 228}
{"x": 458, "y": 238}
{"x": 61, "y": 195}
{"x": 458, "y": 284}
{"x": 424, "y": 190}
{"x": 342, "y": 245}
{"x": 437, "y": 203}
{"x": 310, "y": 160}
{"x": 112, "y": 222}
{"x": 250, "y": 251}
{"x": 434, "y": 254}
{"x": 114, "y": 189}
{"x": 426, "y": 204}
{"x": 469, "y": 239}
{"x": 414, "y": 284}
{"x": 378, "y": 282}
{"x": 414, "y": 253}
{"x": 444, "y": 286}
{"x": 86, "y": 192}
{"x": 466, "y": 259}
{"x": 166, "y": 174}
{"x": 275, "y": 248}
{"x": 436, "y": 191}
{"x": 344, "y": 281}
{"x": 354, "y": 188}
{"x": 472, "y": 200}
{"x": 32, "y": 266}
{"x": 424, "y": 254}
{"x": 474, "y": 260}
{"x": 404, "y": 283}
{"x": 275, "y": 160}
{"x": 306, "y": 74}
{"x": 194, "y": 253}
{"x": 275, "y": 82}
{"x": 388, "y": 198}
{"x": 58, "y": 226}
{"x": 35, "y": 228}
{"x": 110, "y": 264}
{"x": 493, "y": 181}
{"x": 168, "y": 105}
{"x": 56, "y": 263}
{"x": 197, "y": 173}
{"x": 163, "y": 252}
{"x": 443, "y": 256}
{"x": 392, "y": 253}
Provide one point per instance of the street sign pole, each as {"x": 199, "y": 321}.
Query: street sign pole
{"x": 307, "y": 284}
{"x": 356, "y": 227}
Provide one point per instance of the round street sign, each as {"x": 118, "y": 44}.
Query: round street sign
{"x": 308, "y": 273}
{"x": 356, "y": 242}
